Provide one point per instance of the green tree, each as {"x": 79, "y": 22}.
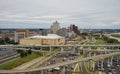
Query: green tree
{"x": 29, "y": 51}
{"x": 11, "y": 42}
{"x": 2, "y": 41}
{"x": 7, "y": 40}
{"x": 22, "y": 53}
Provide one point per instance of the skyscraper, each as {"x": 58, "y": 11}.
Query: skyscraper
{"x": 74, "y": 29}
{"x": 55, "y": 27}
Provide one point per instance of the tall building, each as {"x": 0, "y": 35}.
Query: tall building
{"x": 55, "y": 27}
{"x": 74, "y": 29}
{"x": 21, "y": 33}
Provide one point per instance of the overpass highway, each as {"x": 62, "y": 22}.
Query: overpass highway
{"x": 76, "y": 45}
{"x": 98, "y": 57}
{"x": 97, "y": 50}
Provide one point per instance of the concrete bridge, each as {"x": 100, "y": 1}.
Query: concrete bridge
{"x": 76, "y": 45}
{"x": 63, "y": 47}
{"x": 98, "y": 57}
{"x": 114, "y": 50}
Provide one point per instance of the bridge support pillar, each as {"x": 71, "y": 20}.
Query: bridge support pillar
{"x": 62, "y": 49}
{"x": 84, "y": 53}
{"x": 118, "y": 58}
{"x": 63, "y": 70}
{"x": 40, "y": 48}
{"x": 111, "y": 60}
{"x": 90, "y": 48}
{"x": 98, "y": 63}
{"x": 94, "y": 53}
{"x": 106, "y": 52}
{"x": 92, "y": 65}
{"x": 41, "y": 72}
{"x": 89, "y": 54}
{"x": 50, "y": 49}
{"x": 108, "y": 60}
{"x": 102, "y": 65}
{"x": 43, "y": 53}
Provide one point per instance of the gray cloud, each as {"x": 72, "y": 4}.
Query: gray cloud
{"x": 41, "y": 13}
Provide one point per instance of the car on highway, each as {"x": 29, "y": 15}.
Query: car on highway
{"x": 54, "y": 69}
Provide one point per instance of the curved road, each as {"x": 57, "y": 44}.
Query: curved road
{"x": 98, "y": 57}
{"x": 9, "y": 58}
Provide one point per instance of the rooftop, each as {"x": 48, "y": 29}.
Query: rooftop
{"x": 49, "y": 36}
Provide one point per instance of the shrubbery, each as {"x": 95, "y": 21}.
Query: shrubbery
{"x": 6, "y": 40}
{"x": 24, "y": 53}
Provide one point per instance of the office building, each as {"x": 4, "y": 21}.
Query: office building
{"x": 21, "y": 33}
{"x": 55, "y": 27}
{"x": 74, "y": 29}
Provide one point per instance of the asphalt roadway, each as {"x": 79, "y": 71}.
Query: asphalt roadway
{"x": 98, "y": 57}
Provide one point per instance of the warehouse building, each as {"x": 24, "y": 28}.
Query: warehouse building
{"x": 50, "y": 39}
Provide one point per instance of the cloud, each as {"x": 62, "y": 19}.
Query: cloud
{"x": 116, "y": 23}
{"x": 84, "y": 13}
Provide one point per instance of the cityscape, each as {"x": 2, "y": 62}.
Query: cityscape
{"x": 59, "y": 37}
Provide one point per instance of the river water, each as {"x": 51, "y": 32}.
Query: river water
{"x": 109, "y": 35}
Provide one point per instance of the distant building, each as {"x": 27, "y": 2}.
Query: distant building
{"x": 32, "y": 33}
{"x": 74, "y": 29}
{"x": 55, "y": 27}
{"x": 50, "y": 39}
{"x": 21, "y": 33}
{"x": 7, "y": 33}
{"x": 62, "y": 32}
{"x": 43, "y": 32}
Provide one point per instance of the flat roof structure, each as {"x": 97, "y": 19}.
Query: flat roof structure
{"x": 50, "y": 36}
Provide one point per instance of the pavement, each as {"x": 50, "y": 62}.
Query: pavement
{"x": 8, "y": 59}
{"x": 28, "y": 64}
{"x": 33, "y": 63}
{"x": 63, "y": 63}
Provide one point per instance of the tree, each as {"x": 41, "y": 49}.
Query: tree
{"x": 81, "y": 52}
{"x": 29, "y": 51}
{"x": 11, "y": 42}
{"x": 22, "y": 53}
{"x": 2, "y": 41}
{"x": 7, "y": 40}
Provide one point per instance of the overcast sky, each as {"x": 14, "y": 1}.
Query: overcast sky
{"x": 42, "y": 13}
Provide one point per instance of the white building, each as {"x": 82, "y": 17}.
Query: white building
{"x": 55, "y": 27}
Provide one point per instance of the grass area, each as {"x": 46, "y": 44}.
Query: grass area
{"x": 100, "y": 41}
{"x": 116, "y": 35}
{"x": 19, "y": 61}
